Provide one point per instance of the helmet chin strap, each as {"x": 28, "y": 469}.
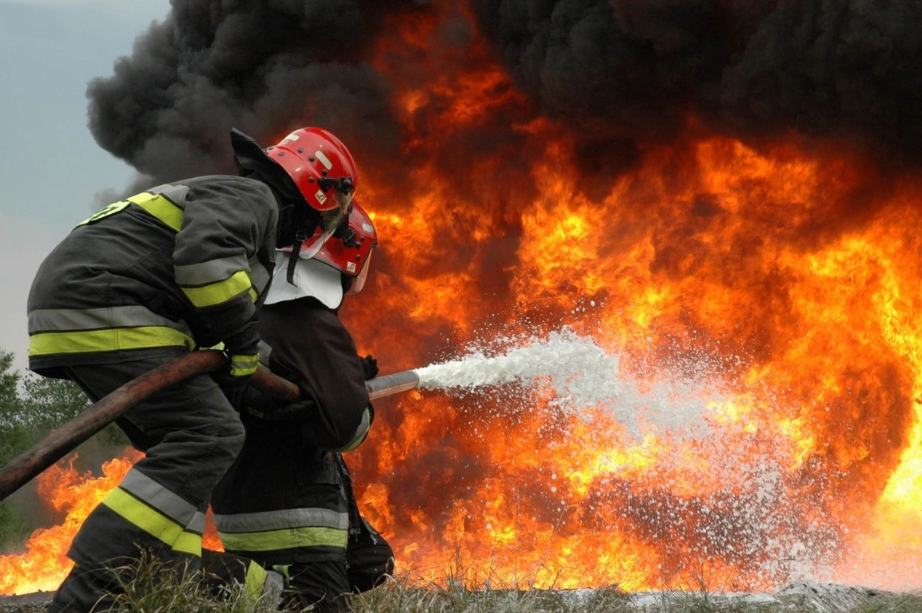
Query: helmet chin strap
{"x": 307, "y": 229}
{"x": 293, "y": 260}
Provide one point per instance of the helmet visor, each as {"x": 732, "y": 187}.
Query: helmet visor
{"x": 332, "y": 222}
{"x": 359, "y": 282}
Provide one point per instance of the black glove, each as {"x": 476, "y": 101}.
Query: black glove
{"x": 242, "y": 350}
{"x": 237, "y": 395}
{"x": 369, "y": 367}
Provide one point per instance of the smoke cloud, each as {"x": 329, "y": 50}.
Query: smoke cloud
{"x": 618, "y": 73}
{"x": 848, "y": 70}
{"x": 264, "y": 67}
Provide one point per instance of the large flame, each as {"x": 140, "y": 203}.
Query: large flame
{"x": 776, "y": 285}
{"x": 44, "y": 563}
{"x": 780, "y": 282}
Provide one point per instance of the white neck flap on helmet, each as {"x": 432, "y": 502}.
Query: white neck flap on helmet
{"x": 312, "y": 279}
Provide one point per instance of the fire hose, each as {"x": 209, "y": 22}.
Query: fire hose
{"x": 29, "y": 464}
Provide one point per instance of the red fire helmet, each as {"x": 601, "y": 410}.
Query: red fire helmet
{"x": 352, "y": 254}
{"x": 349, "y": 254}
{"x": 320, "y": 165}
{"x": 324, "y": 172}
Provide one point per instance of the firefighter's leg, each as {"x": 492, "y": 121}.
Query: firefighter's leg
{"x": 221, "y": 572}
{"x": 321, "y": 585}
{"x": 191, "y": 435}
{"x": 82, "y": 591}
{"x": 370, "y": 558}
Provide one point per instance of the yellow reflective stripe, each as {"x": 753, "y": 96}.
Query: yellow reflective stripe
{"x": 255, "y": 581}
{"x": 242, "y": 365}
{"x": 113, "y": 339}
{"x": 111, "y": 209}
{"x": 144, "y": 517}
{"x": 157, "y": 205}
{"x": 189, "y": 542}
{"x": 284, "y": 539}
{"x": 222, "y": 291}
{"x": 210, "y": 271}
{"x": 161, "y": 208}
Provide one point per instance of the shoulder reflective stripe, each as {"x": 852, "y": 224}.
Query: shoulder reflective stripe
{"x": 48, "y": 320}
{"x": 189, "y": 542}
{"x": 119, "y": 339}
{"x": 111, "y": 209}
{"x": 143, "y": 487}
{"x": 164, "y": 202}
{"x": 255, "y": 580}
{"x": 160, "y": 207}
{"x": 280, "y": 520}
{"x": 216, "y": 293}
{"x": 144, "y": 517}
{"x": 175, "y": 193}
{"x": 284, "y": 539}
{"x": 212, "y": 271}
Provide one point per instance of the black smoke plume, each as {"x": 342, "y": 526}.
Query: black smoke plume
{"x": 629, "y": 72}
{"x": 617, "y": 73}
{"x": 263, "y": 66}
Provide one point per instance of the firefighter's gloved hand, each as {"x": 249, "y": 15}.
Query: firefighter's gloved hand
{"x": 242, "y": 350}
{"x": 237, "y": 395}
{"x": 369, "y": 367}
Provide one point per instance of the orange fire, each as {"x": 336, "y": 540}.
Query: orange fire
{"x": 45, "y": 564}
{"x": 778, "y": 283}
{"x": 782, "y": 280}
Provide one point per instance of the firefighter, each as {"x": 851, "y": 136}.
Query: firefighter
{"x": 287, "y": 502}
{"x": 181, "y": 266}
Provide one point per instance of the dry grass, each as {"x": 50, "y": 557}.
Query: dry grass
{"x": 151, "y": 588}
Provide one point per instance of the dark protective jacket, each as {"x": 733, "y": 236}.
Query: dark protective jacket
{"x": 180, "y": 266}
{"x": 284, "y": 500}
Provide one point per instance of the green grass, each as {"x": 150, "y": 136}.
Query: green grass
{"x": 150, "y": 587}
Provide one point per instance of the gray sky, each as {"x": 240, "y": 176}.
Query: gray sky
{"x": 51, "y": 169}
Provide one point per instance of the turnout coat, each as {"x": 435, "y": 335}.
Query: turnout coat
{"x": 179, "y": 266}
{"x": 285, "y": 499}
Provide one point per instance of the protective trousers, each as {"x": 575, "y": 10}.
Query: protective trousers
{"x": 223, "y": 572}
{"x": 321, "y": 586}
{"x": 191, "y": 435}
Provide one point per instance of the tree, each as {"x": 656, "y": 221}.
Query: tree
{"x": 14, "y": 436}
{"x": 14, "y": 439}
{"x": 49, "y": 403}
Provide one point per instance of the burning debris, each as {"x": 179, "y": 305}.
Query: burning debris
{"x": 719, "y": 194}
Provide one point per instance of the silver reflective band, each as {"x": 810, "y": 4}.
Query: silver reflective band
{"x": 43, "y": 320}
{"x": 209, "y": 272}
{"x": 170, "y": 504}
{"x": 279, "y": 520}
